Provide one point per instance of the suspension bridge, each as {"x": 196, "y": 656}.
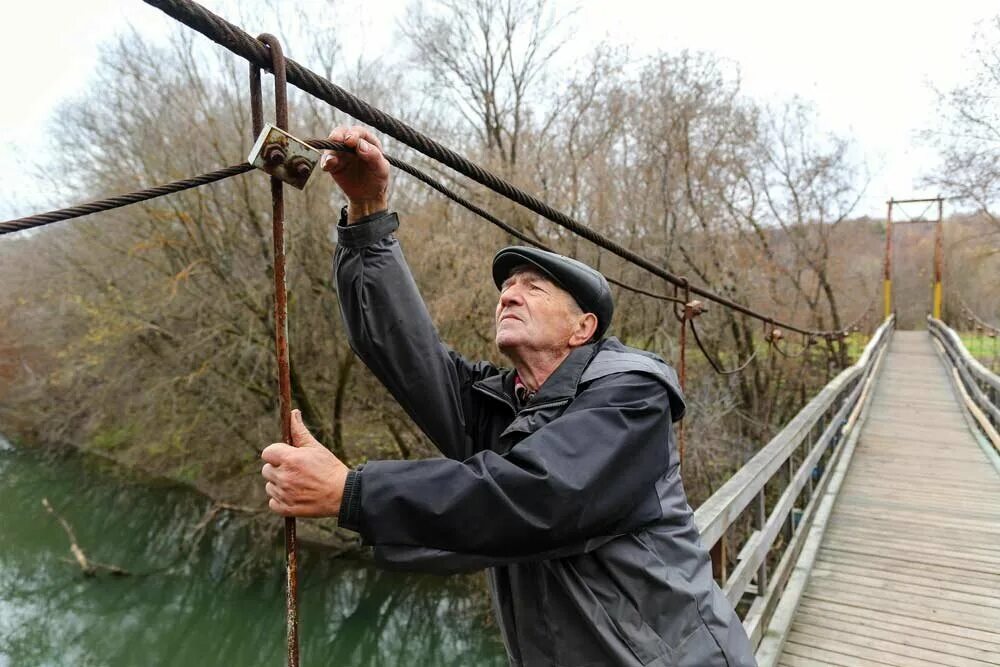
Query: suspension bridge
{"x": 874, "y": 513}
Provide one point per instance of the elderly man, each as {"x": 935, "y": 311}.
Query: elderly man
{"x": 560, "y": 477}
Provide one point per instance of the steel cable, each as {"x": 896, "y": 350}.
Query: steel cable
{"x": 117, "y": 201}
{"x": 244, "y": 45}
{"x": 481, "y": 212}
{"x": 975, "y": 318}
{"x": 712, "y": 362}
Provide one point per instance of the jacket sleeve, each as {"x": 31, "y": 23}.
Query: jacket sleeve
{"x": 438, "y": 561}
{"x": 389, "y": 328}
{"x": 590, "y": 472}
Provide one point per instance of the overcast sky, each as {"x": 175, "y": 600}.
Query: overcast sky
{"x": 868, "y": 67}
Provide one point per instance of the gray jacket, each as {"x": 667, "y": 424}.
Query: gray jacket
{"x": 573, "y": 500}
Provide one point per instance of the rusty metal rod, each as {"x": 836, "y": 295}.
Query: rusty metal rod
{"x": 280, "y": 320}
{"x": 682, "y": 374}
{"x": 921, "y": 201}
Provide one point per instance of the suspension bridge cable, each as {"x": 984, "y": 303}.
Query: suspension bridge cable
{"x": 716, "y": 366}
{"x": 481, "y": 212}
{"x": 971, "y": 314}
{"x": 117, "y": 201}
{"x": 242, "y": 44}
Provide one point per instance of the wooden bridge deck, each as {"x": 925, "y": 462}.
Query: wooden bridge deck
{"x": 908, "y": 572}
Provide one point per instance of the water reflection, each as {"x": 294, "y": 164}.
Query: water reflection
{"x": 183, "y": 610}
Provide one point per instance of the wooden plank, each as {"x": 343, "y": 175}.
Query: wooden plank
{"x": 931, "y": 518}
{"x": 910, "y": 654}
{"x": 905, "y": 557}
{"x": 861, "y": 512}
{"x": 936, "y": 571}
{"x": 826, "y": 657}
{"x": 981, "y": 598}
{"x": 870, "y": 656}
{"x": 881, "y": 524}
{"x": 796, "y": 661}
{"x": 901, "y": 634}
{"x": 941, "y": 633}
{"x": 906, "y": 576}
{"x": 909, "y": 568}
{"x": 946, "y": 544}
{"x": 935, "y": 489}
{"x": 929, "y": 601}
{"x": 930, "y": 552}
{"x": 917, "y": 474}
{"x": 893, "y": 605}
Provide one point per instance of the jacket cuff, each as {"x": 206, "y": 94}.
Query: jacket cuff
{"x": 368, "y": 230}
{"x": 350, "y": 504}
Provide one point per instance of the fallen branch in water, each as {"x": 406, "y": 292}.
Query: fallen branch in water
{"x": 89, "y": 567}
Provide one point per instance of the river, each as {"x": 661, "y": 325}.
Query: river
{"x": 184, "y": 606}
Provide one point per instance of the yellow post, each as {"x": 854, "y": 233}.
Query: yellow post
{"x": 938, "y": 258}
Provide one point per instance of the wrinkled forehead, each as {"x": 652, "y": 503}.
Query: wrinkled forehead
{"x": 525, "y": 272}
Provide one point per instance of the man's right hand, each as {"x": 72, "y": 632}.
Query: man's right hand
{"x": 363, "y": 176}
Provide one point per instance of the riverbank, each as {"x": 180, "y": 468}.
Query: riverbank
{"x": 195, "y": 601}
{"x": 240, "y": 497}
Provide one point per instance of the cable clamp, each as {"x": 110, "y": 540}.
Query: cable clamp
{"x": 693, "y": 309}
{"x": 283, "y": 156}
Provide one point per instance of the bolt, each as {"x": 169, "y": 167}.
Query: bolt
{"x": 274, "y": 155}
{"x": 301, "y": 167}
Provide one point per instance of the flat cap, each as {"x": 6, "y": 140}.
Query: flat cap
{"x": 586, "y": 285}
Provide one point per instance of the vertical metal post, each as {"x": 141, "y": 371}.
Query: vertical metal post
{"x": 938, "y": 258}
{"x": 682, "y": 377}
{"x": 887, "y": 274}
{"x": 280, "y": 321}
{"x": 689, "y": 311}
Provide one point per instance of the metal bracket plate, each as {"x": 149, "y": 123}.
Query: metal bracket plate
{"x": 283, "y": 156}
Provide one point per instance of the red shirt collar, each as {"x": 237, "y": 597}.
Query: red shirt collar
{"x": 521, "y": 390}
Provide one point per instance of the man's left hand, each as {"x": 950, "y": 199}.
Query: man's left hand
{"x": 304, "y": 478}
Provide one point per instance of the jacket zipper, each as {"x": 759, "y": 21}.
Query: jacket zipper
{"x": 500, "y": 397}
{"x": 547, "y": 404}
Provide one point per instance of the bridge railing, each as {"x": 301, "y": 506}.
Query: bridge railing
{"x": 979, "y": 387}
{"x": 780, "y": 487}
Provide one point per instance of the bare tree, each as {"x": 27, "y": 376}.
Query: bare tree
{"x": 967, "y": 134}
{"x": 487, "y": 58}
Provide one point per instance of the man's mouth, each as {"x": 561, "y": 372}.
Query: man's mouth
{"x": 509, "y": 316}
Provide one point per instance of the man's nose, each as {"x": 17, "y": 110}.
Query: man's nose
{"x": 511, "y": 296}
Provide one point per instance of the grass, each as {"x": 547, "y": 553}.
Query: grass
{"x": 111, "y": 439}
{"x": 983, "y": 347}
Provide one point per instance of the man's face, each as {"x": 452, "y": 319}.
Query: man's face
{"x": 534, "y": 313}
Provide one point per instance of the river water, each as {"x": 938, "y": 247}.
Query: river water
{"x": 185, "y": 607}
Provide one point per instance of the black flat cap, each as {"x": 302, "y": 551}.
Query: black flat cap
{"x": 586, "y": 285}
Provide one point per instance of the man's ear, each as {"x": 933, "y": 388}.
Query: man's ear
{"x": 586, "y": 326}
